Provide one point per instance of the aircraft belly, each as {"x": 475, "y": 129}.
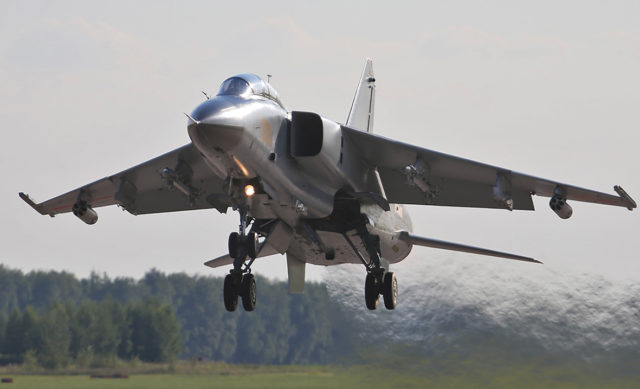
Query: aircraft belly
{"x": 309, "y": 251}
{"x": 392, "y": 249}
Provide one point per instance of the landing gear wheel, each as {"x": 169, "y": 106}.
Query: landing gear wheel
{"x": 248, "y": 292}
{"x": 252, "y": 245}
{"x": 234, "y": 245}
{"x": 390, "y": 290}
{"x": 371, "y": 292}
{"x": 230, "y": 293}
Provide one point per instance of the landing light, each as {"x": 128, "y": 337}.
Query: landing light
{"x": 249, "y": 190}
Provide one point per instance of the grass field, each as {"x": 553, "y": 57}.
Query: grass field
{"x": 185, "y": 375}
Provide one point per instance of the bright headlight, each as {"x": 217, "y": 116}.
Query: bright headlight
{"x": 249, "y": 190}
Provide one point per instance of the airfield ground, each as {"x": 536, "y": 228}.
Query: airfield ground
{"x": 186, "y": 375}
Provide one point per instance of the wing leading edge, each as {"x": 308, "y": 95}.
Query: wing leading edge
{"x": 414, "y": 175}
{"x": 176, "y": 181}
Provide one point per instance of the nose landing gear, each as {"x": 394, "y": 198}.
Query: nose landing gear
{"x": 240, "y": 282}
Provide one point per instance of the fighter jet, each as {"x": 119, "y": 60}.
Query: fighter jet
{"x": 319, "y": 191}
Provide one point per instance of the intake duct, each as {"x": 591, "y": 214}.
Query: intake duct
{"x": 306, "y": 134}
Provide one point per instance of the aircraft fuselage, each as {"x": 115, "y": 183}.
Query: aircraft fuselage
{"x": 249, "y": 140}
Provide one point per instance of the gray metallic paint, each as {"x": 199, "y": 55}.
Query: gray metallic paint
{"x": 241, "y": 139}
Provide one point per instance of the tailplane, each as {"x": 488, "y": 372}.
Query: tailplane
{"x": 361, "y": 113}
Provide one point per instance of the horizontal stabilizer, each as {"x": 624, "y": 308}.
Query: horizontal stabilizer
{"x": 220, "y": 261}
{"x": 265, "y": 251}
{"x": 439, "y": 244}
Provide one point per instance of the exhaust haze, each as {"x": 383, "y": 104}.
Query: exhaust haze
{"x": 445, "y": 300}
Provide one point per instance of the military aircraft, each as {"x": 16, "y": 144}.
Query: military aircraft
{"x": 319, "y": 191}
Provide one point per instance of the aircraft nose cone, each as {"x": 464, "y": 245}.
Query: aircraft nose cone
{"x": 211, "y": 136}
{"x": 212, "y": 128}
{"x": 210, "y": 109}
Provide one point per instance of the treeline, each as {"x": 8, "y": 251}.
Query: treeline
{"x": 91, "y": 334}
{"x": 103, "y": 318}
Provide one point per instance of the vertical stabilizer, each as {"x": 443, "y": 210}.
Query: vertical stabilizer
{"x": 361, "y": 113}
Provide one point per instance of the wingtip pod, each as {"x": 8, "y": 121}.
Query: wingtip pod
{"x": 626, "y": 199}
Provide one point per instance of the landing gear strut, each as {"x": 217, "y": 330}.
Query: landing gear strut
{"x": 240, "y": 282}
{"x": 379, "y": 280}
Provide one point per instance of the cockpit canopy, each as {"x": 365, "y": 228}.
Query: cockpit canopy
{"x": 249, "y": 84}
{"x": 234, "y": 86}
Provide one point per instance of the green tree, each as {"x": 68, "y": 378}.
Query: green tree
{"x": 13, "y": 339}
{"x": 14, "y": 290}
{"x": 264, "y": 338}
{"x": 155, "y": 332}
{"x": 157, "y": 285}
{"x": 3, "y": 327}
{"x": 21, "y": 334}
{"x": 81, "y": 324}
{"x": 312, "y": 335}
{"x": 107, "y": 328}
{"x": 52, "y": 287}
{"x": 55, "y": 337}
{"x": 208, "y": 330}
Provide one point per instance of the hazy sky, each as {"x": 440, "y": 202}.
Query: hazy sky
{"x": 547, "y": 88}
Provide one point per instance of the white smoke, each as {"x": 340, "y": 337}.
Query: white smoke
{"x": 448, "y": 297}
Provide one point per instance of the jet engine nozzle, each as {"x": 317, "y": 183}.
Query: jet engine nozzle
{"x": 559, "y": 205}
{"x": 84, "y": 212}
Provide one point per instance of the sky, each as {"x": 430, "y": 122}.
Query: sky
{"x": 546, "y": 88}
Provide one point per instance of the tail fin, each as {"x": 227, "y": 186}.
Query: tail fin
{"x": 361, "y": 113}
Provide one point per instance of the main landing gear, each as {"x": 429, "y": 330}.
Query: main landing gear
{"x": 379, "y": 281}
{"x": 385, "y": 285}
{"x": 240, "y": 282}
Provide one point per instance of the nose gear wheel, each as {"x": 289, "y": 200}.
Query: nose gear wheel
{"x": 248, "y": 292}
{"x": 230, "y": 293}
{"x": 240, "y": 282}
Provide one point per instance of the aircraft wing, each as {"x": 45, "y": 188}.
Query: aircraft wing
{"x": 414, "y": 175}
{"x": 176, "y": 181}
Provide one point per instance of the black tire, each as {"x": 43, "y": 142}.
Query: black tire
{"x": 252, "y": 245}
{"x": 390, "y": 290}
{"x": 371, "y": 292}
{"x": 234, "y": 244}
{"x": 230, "y": 293}
{"x": 248, "y": 292}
